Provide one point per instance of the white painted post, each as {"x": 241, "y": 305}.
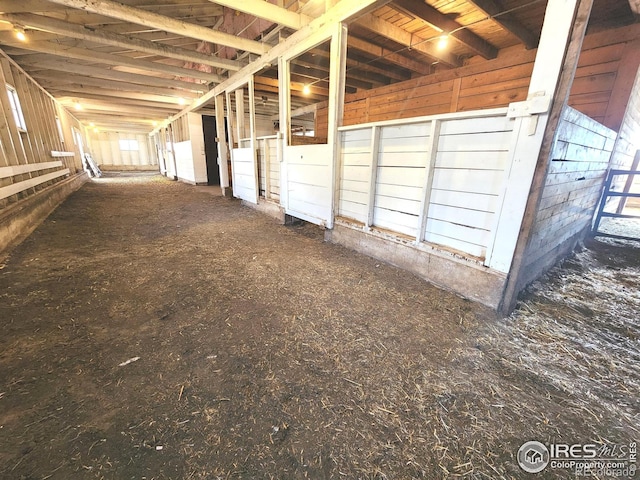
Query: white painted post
{"x": 337, "y": 81}
{"x": 284, "y": 99}
{"x": 252, "y": 127}
{"x": 222, "y": 143}
{"x": 558, "y": 22}
{"x": 230, "y": 129}
{"x": 434, "y": 137}
{"x": 373, "y": 175}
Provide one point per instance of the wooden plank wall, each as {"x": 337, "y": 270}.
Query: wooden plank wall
{"x": 32, "y": 159}
{"x": 628, "y": 140}
{"x": 608, "y": 63}
{"x": 105, "y": 148}
{"x": 578, "y": 166}
{"x": 269, "y": 168}
{"x": 391, "y": 179}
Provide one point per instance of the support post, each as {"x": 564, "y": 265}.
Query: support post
{"x": 223, "y": 158}
{"x": 554, "y": 69}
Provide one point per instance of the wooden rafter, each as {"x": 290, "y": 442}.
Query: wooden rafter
{"x": 493, "y": 9}
{"x": 430, "y": 15}
{"x": 143, "y": 17}
{"x": 52, "y": 48}
{"x": 267, "y": 11}
{"x": 397, "y": 34}
{"x": 113, "y": 39}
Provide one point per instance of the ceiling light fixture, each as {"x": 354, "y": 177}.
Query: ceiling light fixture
{"x": 19, "y": 32}
{"x": 77, "y": 106}
{"x": 306, "y": 90}
{"x": 182, "y": 101}
{"x": 443, "y": 41}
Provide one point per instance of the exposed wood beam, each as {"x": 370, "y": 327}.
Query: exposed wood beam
{"x": 61, "y": 80}
{"x": 44, "y": 6}
{"x": 113, "y": 39}
{"x": 104, "y": 94}
{"x": 46, "y": 62}
{"x": 494, "y": 10}
{"x": 267, "y": 11}
{"x": 382, "y": 53}
{"x": 162, "y": 22}
{"x": 427, "y": 13}
{"x": 92, "y": 106}
{"x": 75, "y": 53}
{"x": 401, "y": 36}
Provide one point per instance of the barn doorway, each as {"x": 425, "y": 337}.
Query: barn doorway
{"x": 211, "y": 149}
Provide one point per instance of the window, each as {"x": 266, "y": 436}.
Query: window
{"x": 59, "y": 125}
{"x": 129, "y": 145}
{"x": 14, "y": 101}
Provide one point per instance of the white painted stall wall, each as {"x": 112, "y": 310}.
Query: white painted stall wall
{"x": 244, "y": 174}
{"x": 196, "y": 135}
{"x": 471, "y": 160}
{"x": 308, "y": 183}
{"x": 268, "y": 167}
{"x": 402, "y": 159}
{"x": 106, "y": 151}
{"x": 464, "y": 184}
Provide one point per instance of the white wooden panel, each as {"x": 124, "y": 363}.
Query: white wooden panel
{"x": 353, "y": 196}
{"x": 363, "y": 134}
{"x": 462, "y": 216}
{"x": 308, "y": 183}
{"x": 356, "y": 211}
{"x": 473, "y": 160}
{"x": 476, "y": 125}
{"x": 473, "y": 201}
{"x": 396, "y": 221}
{"x": 404, "y": 131}
{"x": 356, "y": 146}
{"x": 409, "y": 193}
{"x": 471, "y": 142}
{"x": 402, "y": 159}
{"x": 461, "y": 245}
{"x": 408, "y": 177}
{"x": 184, "y": 160}
{"x": 244, "y": 174}
{"x": 32, "y": 182}
{"x": 362, "y": 158}
{"x": 355, "y": 186}
{"x": 6, "y": 172}
{"x": 407, "y": 145}
{"x": 411, "y": 207}
{"x": 472, "y": 181}
{"x": 356, "y": 173}
{"x": 452, "y": 230}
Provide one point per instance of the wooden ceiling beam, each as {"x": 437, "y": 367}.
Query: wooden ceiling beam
{"x": 49, "y": 78}
{"x": 494, "y": 10}
{"x": 113, "y": 39}
{"x": 144, "y": 100}
{"x": 162, "y": 22}
{"x": 45, "y": 62}
{"x": 267, "y": 11}
{"x": 52, "y": 48}
{"x": 401, "y": 36}
{"x": 388, "y": 55}
{"x": 430, "y": 15}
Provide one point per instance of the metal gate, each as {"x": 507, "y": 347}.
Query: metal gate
{"x": 609, "y": 193}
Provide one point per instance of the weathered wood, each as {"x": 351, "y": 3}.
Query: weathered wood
{"x": 26, "y": 184}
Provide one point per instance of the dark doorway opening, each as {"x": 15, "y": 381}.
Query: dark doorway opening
{"x": 211, "y": 149}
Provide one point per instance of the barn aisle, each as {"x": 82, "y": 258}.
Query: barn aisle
{"x": 151, "y": 329}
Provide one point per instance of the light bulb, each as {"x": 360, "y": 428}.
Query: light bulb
{"x": 306, "y": 89}
{"x": 20, "y": 35}
{"x": 77, "y": 106}
{"x": 443, "y": 41}
{"x": 181, "y": 101}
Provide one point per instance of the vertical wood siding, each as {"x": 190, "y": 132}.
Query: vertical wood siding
{"x": 40, "y": 155}
{"x": 105, "y": 148}
{"x": 269, "y": 167}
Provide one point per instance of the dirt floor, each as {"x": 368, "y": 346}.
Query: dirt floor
{"x": 153, "y": 330}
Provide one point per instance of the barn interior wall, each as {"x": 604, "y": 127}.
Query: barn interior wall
{"x": 186, "y": 150}
{"x": 608, "y": 63}
{"x": 40, "y": 160}
{"x": 628, "y": 141}
{"x": 122, "y": 151}
{"x": 577, "y": 169}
